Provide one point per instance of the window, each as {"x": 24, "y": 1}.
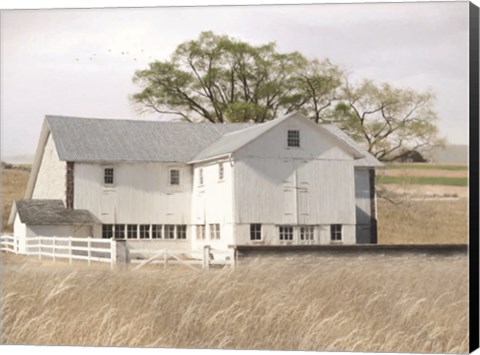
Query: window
{"x": 214, "y": 231}
{"x": 107, "y": 231}
{"x": 144, "y": 231}
{"x": 200, "y": 176}
{"x": 108, "y": 176}
{"x": 286, "y": 232}
{"x": 119, "y": 231}
{"x": 336, "y": 232}
{"x": 131, "y": 231}
{"x": 182, "y": 232}
{"x": 174, "y": 177}
{"x": 157, "y": 231}
{"x": 293, "y": 139}
{"x": 307, "y": 233}
{"x": 169, "y": 231}
{"x": 200, "y": 232}
{"x": 255, "y": 232}
{"x": 220, "y": 171}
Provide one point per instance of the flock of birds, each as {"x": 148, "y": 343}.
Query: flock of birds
{"x": 124, "y": 53}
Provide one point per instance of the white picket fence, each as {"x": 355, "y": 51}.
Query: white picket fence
{"x": 87, "y": 249}
{"x": 104, "y": 250}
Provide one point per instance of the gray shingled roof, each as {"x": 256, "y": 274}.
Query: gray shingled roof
{"x": 368, "y": 161}
{"x": 52, "y": 212}
{"x": 86, "y": 139}
{"x": 230, "y": 142}
{"x": 111, "y": 140}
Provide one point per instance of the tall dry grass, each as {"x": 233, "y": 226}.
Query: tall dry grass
{"x": 14, "y": 183}
{"x": 369, "y": 303}
{"x": 427, "y": 221}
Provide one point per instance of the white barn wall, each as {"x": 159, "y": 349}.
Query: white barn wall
{"x": 141, "y": 193}
{"x": 212, "y": 202}
{"x": 51, "y": 179}
{"x": 270, "y": 235}
{"x": 313, "y": 183}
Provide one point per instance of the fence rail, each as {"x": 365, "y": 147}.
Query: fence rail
{"x": 106, "y": 250}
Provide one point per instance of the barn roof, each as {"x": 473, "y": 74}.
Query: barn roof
{"x": 367, "y": 161}
{"x": 112, "y": 140}
{"x": 52, "y": 212}
{"x": 86, "y": 139}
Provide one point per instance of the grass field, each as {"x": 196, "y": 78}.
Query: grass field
{"x": 423, "y": 180}
{"x": 369, "y": 303}
{"x": 14, "y": 183}
{"x": 427, "y": 166}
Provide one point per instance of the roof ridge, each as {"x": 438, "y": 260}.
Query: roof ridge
{"x": 143, "y": 120}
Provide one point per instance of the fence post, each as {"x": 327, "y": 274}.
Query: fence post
{"x": 113, "y": 253}
{"x": 53, "y": 247}
{"x": 70, "y": 250}
{"x": 88, "y": 249}
{"x": 15, "y": 244}
{"x": 206, "y": 257}
{"x": 39, "y": 249}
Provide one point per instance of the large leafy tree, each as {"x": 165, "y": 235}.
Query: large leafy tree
{"x": 221, "y": 79}
{"x": 392, "y": 122}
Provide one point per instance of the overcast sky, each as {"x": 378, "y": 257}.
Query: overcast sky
{"x": 70, "y": 62}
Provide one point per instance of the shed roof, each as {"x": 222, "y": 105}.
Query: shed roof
{"x": 52, "y": 212}
{"x": 86, "y": 139}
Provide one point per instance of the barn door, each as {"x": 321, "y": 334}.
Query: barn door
{"x": 303, "y": 195}
{"x": 289, "y": 203}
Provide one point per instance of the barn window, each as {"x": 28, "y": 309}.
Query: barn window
{"x": 220, "y": 171}
{"x": 182, "y": 231}
{"x": 214, "y": 231}
{"x": 108, "y": 176}
{"x": 119, "y": 231}
{"x": 144, "y": 231}
{"x": 336, "y": 232}
{"x": 107, "y": 231}
{"x": 307, "y": 233}
{"x": 293, "y": 138}
{"x": 200, "y": 176}
{"x": 255, "y": 232}
{"x": 174, "y": 177}
{"x": 169, "y": 231}
{"x": 200, "y": 232}
{"x": 131, "y": 231}
{"x": 285, "y": 232}
{"x": 157, "y": 231}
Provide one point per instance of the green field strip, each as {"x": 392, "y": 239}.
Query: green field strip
{"x": 423, "y": 180}
{"x": 427, "y": 167}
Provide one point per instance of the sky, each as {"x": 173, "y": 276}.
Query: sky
{"x": 70, "y": 62}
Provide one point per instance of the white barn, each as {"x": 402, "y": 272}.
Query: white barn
{"x": 285, "y": 182}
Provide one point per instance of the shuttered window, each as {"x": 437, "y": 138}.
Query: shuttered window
{"x": 119, "y": 231}
{"x": 108, "y": 176}
{"x": 255, "y": 232}
{"x": 336, "y": 232}
{"x": 132, "y": 231}
{"x": 307, "y": 233}
{"x": 107, "y": 231}
{"x": 293, "y": 138}
{"x": 285, "y": 232}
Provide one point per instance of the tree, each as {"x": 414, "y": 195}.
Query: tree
{"x": 221, "y": 79}
{"x": 391, "y": 121}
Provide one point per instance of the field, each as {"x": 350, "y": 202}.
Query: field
{"x": 415, "y": 304}
{"x": 14, "y": 183}
{"x": 369, "y": 303}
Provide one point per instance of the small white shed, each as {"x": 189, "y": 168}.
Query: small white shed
{"x": 50, "y": 218}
